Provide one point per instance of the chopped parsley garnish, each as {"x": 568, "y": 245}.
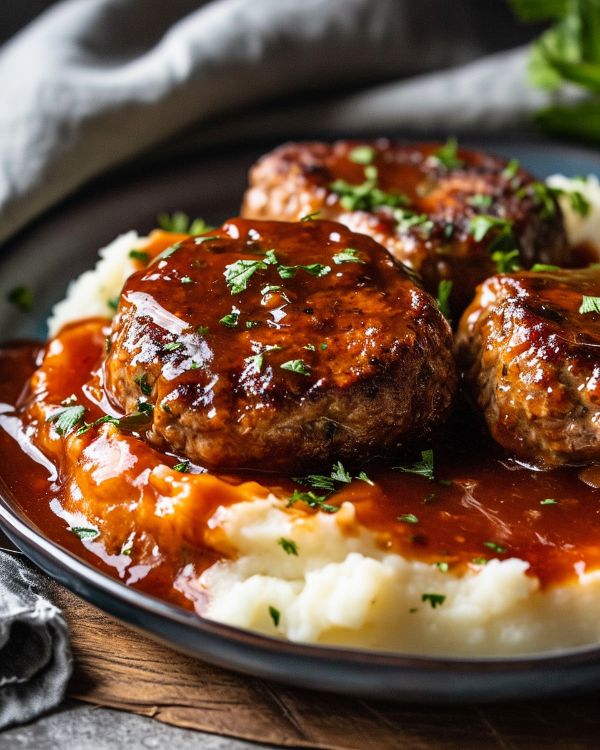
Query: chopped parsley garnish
{"x": 127, "y": 546}
{"x": 364, "y": 478}
{"x": 66, "y": 419}
{"x": 443, "y": 566}
{"x": 275, "y": 615}
{"x": 366, "y": 196}
{"x": 480, "y": 561}
{"x": 208, "y": 238}
{"x": 84, "y": 533}
{"x": 511, "y": 170}
{"x": 256, "y": 361}
{"x": 423, "y": 468}
{"x": 503, "y": 248}
{"x": 549, "y": 501}
{"x": 180, "y": 223}
{"x": 172, "y": 346}
{"x": 231, "y": 319}
{"x": 252, "y": 323}
{"x": 288, "y": 546}
{"x": 140, "y": 255}
{"x": 186, "y": 280}
{"x": 589, "y": 305}
{"x": 182, "y": 466}
{"x": 112, "y": 303}
{"x": 447, "y": 155}
{"x": 310, "y": 347}
{"x": 315, "y": 269}
{"x": 238, "y": 274}
{"x": 21, "y": 297}
{"x": 323, "y": 346}
{"x": 298, "y": 366}
{"x": 317, "y": 502}
{"x": 540, "y": 267}
{"x": 310, "y": 217}
{"x": 339, "y": 473}
{"x": 480, "y": 200}
{"x": 142, "y": 381}
{"x": 443, "y": 296}
{"x": 362, "y": 155}
{"x": 544, "y": 196}
{"x": 406, "y": 220}
{"x": 495, "y": 547}
{"x": 168, "y": 252}
{"x": 348, "y": 255}
{"x": 202, "y": 330}
{"x": 435, "y": 600}
{"x": 408, "y": 518}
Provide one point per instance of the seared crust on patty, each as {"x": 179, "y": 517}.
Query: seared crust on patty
{"x": 532, "y": 358}
{"x": 276, "y": 345}
{"x": 431, "y": 200}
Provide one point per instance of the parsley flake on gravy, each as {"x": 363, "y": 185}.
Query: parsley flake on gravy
{"x": 435, "y": 600}
{"x": 288, "y": 546}
{"x": 423, "y": 468}
{"x": 362, "y": 155}
{"x": 172, "y": 346}
{"x": 310, "y": 217}
{"x": 447, "y": 155}
{"x": 315, "y": 269}
{"x": 540, "y": 267}
{"x": 84, "y": 533}
{"x": 348, "y": 255}
{"x": 549, "y": 501}
{"x": 442, "y": 566}
{"x": 495, "y": 547}
{"x": 231, "y": 319}
{"x": 317, "y": 502}
{"x": 142, "y": 381}
{"x": 140, "y": 255}
{"x": 367, "y": 195}
{"x": 298, "y": 366}
{"x": 589, "y": 305}
{"x": 65, "y": 420}
{"x": 180, "y": 223}
{"x": 408, "y": 518}
{"x": 183, "y": 467}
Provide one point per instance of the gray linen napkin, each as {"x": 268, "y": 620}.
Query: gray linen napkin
{"x": 35, "y": 656}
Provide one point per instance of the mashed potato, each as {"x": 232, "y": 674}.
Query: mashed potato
{"x": 334, "y": 584}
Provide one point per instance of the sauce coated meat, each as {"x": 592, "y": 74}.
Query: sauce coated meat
{"x": 418, "y": 201}
{"x": 291, "y": 344}
{"x": 531, "y": 345}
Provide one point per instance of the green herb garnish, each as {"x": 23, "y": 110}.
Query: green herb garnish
{"x": 183, "y": 467}
{"x": 180, "y": 223}
{"x": 549, "y": 501}
{"x": 480, "y": 200}
{"x": 310, "y": 217}
{"x": 172, "y": 346}
{"x": 21, "y": 297}
{"x": 348, "y": 255}
{"x": 495, "y": 547}
{"x": 140, "y": 255}
{"x": 406, "y": 220}
{"x": 589, "y": 305}
{"x": 84, "y": 533}
{"x": 231, "y": 319}
{"x": 443, "y": 297}
{"x": 66, "y": 419}
{"x": 362, "y": 155}
{"x": 315, "y": 269}
{"x": 435, "y": 600}
{"x": 298, "y": 366}
{"x": 288, "y": 546}
{"x": 142, "y": 381}
{"x": 447, "y": 155}
{"x": 443, "y": 566}
{"x": 408, "y": 518}
{"x": 317, "y": 502}
{"x": 540, "y": 267}
{"x": 366, "y": 196}
{"x": 275, "y": 615}
{"x": 423, "y": 468}
{"x": 364, "y": 478}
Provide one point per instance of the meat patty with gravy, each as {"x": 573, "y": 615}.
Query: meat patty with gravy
{"x": 278, "y": 345}
{"x": 530, "y": 345}
{"x": 422, "y": 202}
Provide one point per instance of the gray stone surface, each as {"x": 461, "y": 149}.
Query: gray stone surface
{"x": 78, "y": 726}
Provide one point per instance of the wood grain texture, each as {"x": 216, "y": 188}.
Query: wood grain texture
{"x": 119, "y": 668}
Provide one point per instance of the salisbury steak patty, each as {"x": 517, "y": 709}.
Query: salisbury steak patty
{"x": 530, "y": 343}
{"x": 275, "y": 345}
{"x": 420, "y": 202}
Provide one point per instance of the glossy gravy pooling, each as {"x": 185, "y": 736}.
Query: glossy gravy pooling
{"x": 477, "y": 507}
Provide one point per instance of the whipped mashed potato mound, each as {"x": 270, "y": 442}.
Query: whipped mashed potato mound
{"x": 342, "y": 589}
{"x": 335, "y": 584}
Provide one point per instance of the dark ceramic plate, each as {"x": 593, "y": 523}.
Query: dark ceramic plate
{"x": 64, "y": 243}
